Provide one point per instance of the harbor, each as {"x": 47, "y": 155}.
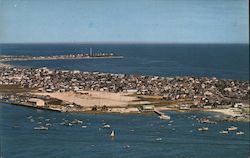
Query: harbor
{"x": 124, "y": 79}
{"x": 133, "y": 133}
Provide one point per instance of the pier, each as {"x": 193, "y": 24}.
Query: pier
{"x": 161, "y": 115}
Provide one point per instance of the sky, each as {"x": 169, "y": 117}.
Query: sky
{"x": 124, "y": 21}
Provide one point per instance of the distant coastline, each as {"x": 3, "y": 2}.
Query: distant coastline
{"x": 6, "y": 58}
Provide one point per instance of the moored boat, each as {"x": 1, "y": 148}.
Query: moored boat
{"x": 240, "y": 133}
{"x": 223, "y": 132}
{"x": 203, "y": 129}
{"x": 232, "y": 128}
{"x": 106, "y": 126}
{"x": 41, "y": 128}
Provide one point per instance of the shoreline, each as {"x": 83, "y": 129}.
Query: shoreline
{"x": 118, "y": 111}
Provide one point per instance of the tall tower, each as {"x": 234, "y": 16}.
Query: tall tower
{"x": 90, "y": 51}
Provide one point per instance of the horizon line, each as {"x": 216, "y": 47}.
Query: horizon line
{"x": 120, "y": 42}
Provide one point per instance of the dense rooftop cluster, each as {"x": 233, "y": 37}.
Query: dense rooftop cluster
{"x": 206, "y": 91}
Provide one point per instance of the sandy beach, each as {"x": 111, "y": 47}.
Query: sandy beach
{"x": 88, "y": 99}
{"x": 229, "y": 112}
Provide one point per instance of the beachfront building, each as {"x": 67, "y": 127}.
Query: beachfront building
{"x": 147, "y": 108}
{"x": 36, "y": 102}
{"x": 184, "y": 107}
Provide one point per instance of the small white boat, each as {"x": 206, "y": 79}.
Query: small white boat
{"x": 232, "y": 128}
{"x": 203, "y": 129}
{"x": 106, "y": 126}
{"x": 240, "y": 133}
{"x": 48, "y": 124}
{"x": 79, "y": 121}
{"x": 158, "y": 139}
{"x": 41, "y": 128}
{"x": 62, "y": 123}
{"x": 126, "y": 146}
{"x": 76, "y": 121}
{"x": 223, "y": 132}
{"x": 32, "y": 120}
{"x": 112, "y": 134}
{"x": 84, "y": 126}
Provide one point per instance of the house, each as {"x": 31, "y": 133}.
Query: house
{"x": 207, "y": 107}
{"x": 238, "y": 105}
{"x": 147, "y": 108}
{"x": 132, "y": 91}
{"x": 184, "y": 107}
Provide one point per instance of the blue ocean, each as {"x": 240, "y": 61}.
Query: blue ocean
{"x": 137, "y": 135}
{"x": 229, "y": 61}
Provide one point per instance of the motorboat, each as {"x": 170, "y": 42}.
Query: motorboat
{"x": 223, "y": 132}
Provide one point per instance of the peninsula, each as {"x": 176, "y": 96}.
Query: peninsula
{"x": 89, "y": 55}
{"x": 76, "y": 91}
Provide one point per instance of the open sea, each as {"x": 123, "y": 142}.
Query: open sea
{"x": 219, "y": 60}
{"x": 137, "y": 136}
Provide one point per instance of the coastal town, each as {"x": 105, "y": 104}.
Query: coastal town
{"x": 76, "y": 91}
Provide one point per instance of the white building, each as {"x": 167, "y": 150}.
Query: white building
{"x": 36, "y": 102}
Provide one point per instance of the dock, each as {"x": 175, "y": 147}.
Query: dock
{"x": 158, "y": 112}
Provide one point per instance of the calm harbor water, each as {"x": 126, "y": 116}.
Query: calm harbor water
{"x": 136, "y": 135}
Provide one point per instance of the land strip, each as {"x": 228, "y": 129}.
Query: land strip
{"x": 76, "y": 91}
